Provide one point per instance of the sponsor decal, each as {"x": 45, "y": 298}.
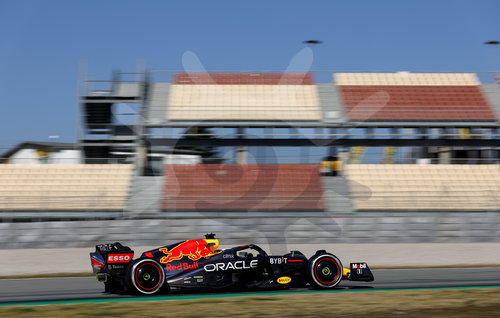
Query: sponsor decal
{"x": 97, "y": 261}
{"x": 227, "y": 256}
{"x": 181, "y": 266}
{"x": 120, "y": 258}
{"x": 106, "y": 247}
{"x": 193, "y": 249}
{"x": 118, "y": 266}
{"x": 231, "y": 265}
{"x": 295, "y": 260}
{"x": 284, "y": 280}
{"x": 283, "y": 260}
{"x": 278, "y": 260}
{"x": 356, "y": 266}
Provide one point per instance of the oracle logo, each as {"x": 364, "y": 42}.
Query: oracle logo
{"x": 120, "y": 258}
{"x": 231, "y": 265}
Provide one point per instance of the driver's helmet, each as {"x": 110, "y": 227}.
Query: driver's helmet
{"x": 212, "y": 245}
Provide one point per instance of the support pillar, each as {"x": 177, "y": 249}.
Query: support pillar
{"x": 241, "y": 151}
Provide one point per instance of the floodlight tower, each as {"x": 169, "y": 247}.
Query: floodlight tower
{"x": 496, "y": 77}
{"x": 304, "y": 151}
{"x": 332, "y": 151}
{"x": 493, "y": 45}
{"x": 312, "y": 44}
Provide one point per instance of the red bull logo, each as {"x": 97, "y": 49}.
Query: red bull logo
{"x": 193, "y": 249}
{"x": 182, "y": 266}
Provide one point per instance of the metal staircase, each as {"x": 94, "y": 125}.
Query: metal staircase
{"x": 389, "y": 154}
{"x": 103, "y": 137}
{"x": 356, "y": 154}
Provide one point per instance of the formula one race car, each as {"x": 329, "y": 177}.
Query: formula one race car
{"x": 197, "y": 264}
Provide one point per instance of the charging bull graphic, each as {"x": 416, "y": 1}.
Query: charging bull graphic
{"x": 193, "y": 249}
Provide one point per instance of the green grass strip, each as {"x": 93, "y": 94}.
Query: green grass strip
{"x": 226, "y": 295}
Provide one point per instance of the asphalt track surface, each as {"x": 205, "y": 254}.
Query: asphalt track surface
{"x": 84, "y": 288}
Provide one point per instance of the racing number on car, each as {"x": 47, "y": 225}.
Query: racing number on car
{"x": 277, "y": 260}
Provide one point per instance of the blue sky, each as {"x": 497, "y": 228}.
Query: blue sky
{"x": 42, "y": 42}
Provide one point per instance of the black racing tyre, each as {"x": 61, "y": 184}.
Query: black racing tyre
{"x": 324, "y": 271}
{"x": 146, "y": 276}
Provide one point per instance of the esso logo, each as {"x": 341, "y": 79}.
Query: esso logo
{"x": 119, "y": 258}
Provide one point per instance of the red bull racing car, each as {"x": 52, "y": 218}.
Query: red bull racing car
{"x": 198, "y": 264}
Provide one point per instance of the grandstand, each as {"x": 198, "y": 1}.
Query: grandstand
{"x": 64, "y": 187}
{"x": 230, "y": 187}
{"x": 414, "y": 97}
{"x": 439, "y": 187}
{"x": 240, "y": 96}
{"x": 349, "y": 114}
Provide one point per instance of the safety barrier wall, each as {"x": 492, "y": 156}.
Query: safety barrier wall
{"x": 261, "y": 228}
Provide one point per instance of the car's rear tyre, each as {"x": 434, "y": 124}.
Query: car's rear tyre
{"x": 146, "y": 276}
{"x": 324, "y": 271}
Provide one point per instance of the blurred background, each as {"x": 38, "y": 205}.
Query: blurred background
{"x": 283, "y": 124}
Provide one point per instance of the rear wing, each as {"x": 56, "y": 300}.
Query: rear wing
{"x": 114, "y": 254}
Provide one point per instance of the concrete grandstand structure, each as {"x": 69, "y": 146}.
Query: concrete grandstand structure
{"x": 132, "y": 117}
{"x": 351, "y": 111}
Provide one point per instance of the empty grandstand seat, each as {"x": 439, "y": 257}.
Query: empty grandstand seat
{"x": 253, "y": 187}
{"x": 72, "y": 187}
{"x": 413, "y": 97}
{"x": 243, "y": 96}
{"x": 406, "y": 187}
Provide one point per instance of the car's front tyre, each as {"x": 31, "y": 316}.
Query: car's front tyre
{"x": 324, "y": 271}
{"x": 146, "y": 276}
